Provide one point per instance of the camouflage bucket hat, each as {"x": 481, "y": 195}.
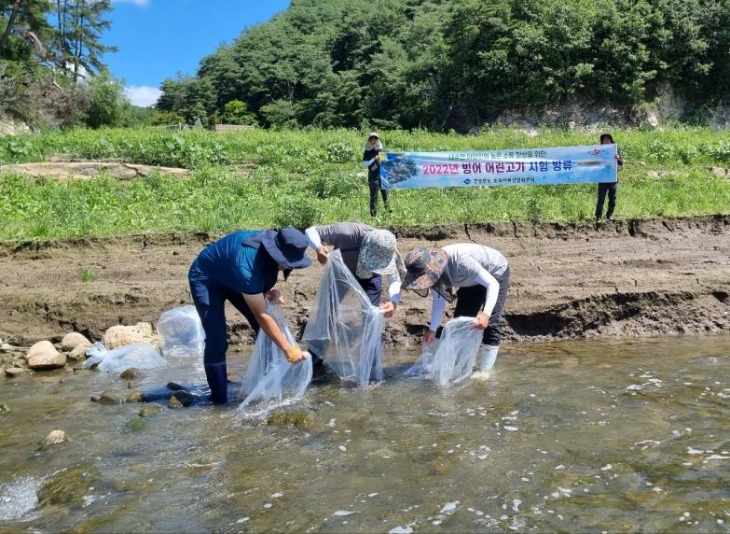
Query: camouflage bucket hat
{"x": 379, "y": 255}
{"x": 424, "y": 267}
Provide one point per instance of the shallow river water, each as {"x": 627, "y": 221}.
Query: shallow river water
{"x": 630, "y": 436}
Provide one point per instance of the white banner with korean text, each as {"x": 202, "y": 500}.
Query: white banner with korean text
{"x": 532, "y": 166}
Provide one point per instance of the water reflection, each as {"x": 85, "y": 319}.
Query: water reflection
{"x": 583, "y": 436}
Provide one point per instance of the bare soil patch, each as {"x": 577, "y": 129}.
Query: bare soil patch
{"x": 628, "y": 278}
{"x": 84, "y": 170}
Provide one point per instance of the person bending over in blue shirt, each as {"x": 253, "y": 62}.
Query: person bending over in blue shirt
{"x": 243, "y": 268}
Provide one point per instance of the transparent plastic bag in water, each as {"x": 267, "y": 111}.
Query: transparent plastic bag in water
{"x": 181, "y": 332}
{"x": 270, "y": 377}
{"x": 344, "y": 328}
{"x": 136, "y": 355}
{"x": 450, "y": 359}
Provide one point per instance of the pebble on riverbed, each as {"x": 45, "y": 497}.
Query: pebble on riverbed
{"x": 130, "y": 374}
{"x": 55, "y": 437}
{"x": 108, "y": 397}
{"x": 14, "y": 372}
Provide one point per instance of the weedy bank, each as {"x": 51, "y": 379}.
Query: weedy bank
{"x": 261, "y": 178}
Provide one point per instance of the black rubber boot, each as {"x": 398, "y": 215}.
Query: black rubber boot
{"x": 217, "y": 376}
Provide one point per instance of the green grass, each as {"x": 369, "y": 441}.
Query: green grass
{"x": 259, "y": 179}
{"x": 85, "y": 274}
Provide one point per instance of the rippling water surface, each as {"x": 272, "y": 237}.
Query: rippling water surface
{"x": 583, "y": 436}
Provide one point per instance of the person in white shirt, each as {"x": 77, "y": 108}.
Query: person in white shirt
{"x": 480, "y": 276}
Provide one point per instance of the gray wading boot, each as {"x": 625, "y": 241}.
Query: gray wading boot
{"x": 217, "y": 376}
{"x": 486, "y": 362}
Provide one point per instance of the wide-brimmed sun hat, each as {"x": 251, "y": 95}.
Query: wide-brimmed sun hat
{"x": 424, "y": 266}
{"x": 373, "y": 134}
{"x": 287, "y": 247}
{"x": 379, "y": 255}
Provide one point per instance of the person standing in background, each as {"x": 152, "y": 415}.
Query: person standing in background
{"x": 610, "y": 188}
{"x": 371, "y": 160}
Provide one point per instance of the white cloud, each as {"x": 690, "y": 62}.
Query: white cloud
{"x": 140, "y": 3}
{"x": 143, "y": 96}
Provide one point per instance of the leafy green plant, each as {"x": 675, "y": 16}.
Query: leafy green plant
{"x": 86, "y": 274}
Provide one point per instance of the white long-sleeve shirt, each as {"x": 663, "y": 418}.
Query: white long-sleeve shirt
{"x": 469, "y": 265}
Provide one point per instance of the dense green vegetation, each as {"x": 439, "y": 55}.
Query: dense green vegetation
{"x": 458, "y": 64}
{"x": 259, "y": 178}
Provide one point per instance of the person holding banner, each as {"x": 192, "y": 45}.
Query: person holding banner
{"x": 610, "y": 188}
{"x": 243, "y": 268}
{"x": 480, "y": 276}
{"x": 371, "y": 160}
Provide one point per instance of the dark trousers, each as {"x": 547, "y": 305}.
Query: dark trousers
{"x": 374, "y": 184}
{"x": 210, "y": 298}
{"x": 470, "y": 301}
{"x": 603, "y": 188}
{"x": 373, "y": 288}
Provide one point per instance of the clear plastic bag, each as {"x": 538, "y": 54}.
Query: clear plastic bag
{"x": 451, "y": 359}
{"x": 271, "y": 378}
{"x": 136, "y": 355}
{"x": 181, "y": 332}
{"x": 344, "y": 328}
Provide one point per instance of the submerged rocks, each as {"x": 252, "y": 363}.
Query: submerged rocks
{"x": 68, "y": 487}
{"x": 55, "y": 437}
{"x": 15, "y": 372}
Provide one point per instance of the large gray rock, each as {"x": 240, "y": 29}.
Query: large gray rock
{"x": 43, "y": 355}
{"x": 72, "y": 340}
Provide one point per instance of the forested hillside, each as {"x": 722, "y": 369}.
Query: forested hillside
{"x": 459, "y": 64}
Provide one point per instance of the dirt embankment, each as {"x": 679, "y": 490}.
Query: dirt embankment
{"x": 628, "y": 278}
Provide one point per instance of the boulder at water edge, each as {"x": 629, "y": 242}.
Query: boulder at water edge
{"x": 72, "y": 340}
{"x": 121, "y": 336}
{"x": 43, "y": 355}
{"x": 79, "y": 353}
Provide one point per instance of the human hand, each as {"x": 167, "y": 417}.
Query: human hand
{"x": 388, "y": 309}
{"x": 429, "y": 337}
{"x": 297, "y": 355}
{"x": 274, "y": 296}
{"x": 322, "y": 254}
{"x": 482, "y": 321}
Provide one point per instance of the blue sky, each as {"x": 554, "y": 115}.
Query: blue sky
{"x": 160, "y": 39}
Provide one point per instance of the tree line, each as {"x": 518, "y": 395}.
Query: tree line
{"x": 51, "y": 64}
{"x": 431, "y": 64}
{"x": 458, "y": 64}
